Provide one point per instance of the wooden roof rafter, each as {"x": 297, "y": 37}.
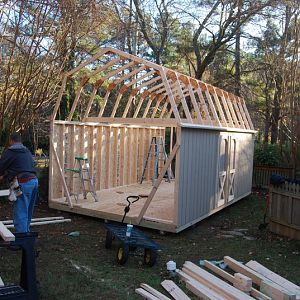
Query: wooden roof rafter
{"x": 159, "y": 92}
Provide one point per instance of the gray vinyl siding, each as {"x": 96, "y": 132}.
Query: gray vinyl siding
{"x": 201, "y": 160}
{"x": 198, "y": 172}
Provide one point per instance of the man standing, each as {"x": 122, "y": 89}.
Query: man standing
{"x": 16, "y": 162}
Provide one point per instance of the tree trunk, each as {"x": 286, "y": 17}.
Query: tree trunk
{"x": 237, "y": 54}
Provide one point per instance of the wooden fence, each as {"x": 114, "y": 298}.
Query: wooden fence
{"x": 284, "y": 210}
{"x": 262, "y": 174}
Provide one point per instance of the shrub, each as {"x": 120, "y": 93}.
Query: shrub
{"x": 267, "y": 154}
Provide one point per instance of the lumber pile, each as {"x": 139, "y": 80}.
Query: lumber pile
{"x": 243, "y": 282}
{"x": 249, "y": 281}
{"x": 148, "y": 292}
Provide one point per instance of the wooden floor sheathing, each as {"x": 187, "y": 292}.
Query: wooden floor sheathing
{"x": 111, "y": 204}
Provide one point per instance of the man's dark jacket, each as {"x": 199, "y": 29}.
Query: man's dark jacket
{"x": 17, "y": 161}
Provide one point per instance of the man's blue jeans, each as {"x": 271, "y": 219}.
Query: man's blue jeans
{"x": 24, "y": 205}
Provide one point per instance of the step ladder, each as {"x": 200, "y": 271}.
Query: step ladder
{"x": 82, "y": 171}
{"x": 158, "y": 145}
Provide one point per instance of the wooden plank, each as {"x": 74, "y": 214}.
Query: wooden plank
{"x": 129, "y": 154}
{"x": 97, "y": 85}
{"x": 176, "y": 292}
{"x": 183, "y": 101}
{"x": 203, "y": 104}
{"x": 237, "y": 111}
{"x": 79, "y": 90}
{"x": 240, "y": 268}
{"x": 199, "y": 289}
{"x": 154, "y": 292}
{"x": 195, "y": 104}
{"x": 114, "y": 155}
{"x": 6, "y": 235}
{"x": 141, "y": 153}
{"x": 117, "y": 102}
{"x": 259, "y": 268}
{"x": 118, "y": 70}
{"x": 7, "y": 222}
{"x": 242, "y": 282}
{"x": 150, "y": 101}
{"x": 126, "y": 155}
{"x": 212, "y": 108}
{"x": 275, "y": 291}
{"x": 177, "y": 177}
{"x": 106, "y": 66}
{"x": 145, "y": 294}
{"x": 230, "y": 278}
{"x": 247, "y": 114}
{"x": 4, "y": 193}
{"x": 164, "y": 109}
{"x": 203, "y": 292}
{"x": 135, "y": 146}
{"x": 128, "y": 104}
{"x": 60, "y": 94}
{"x": 140, "y": 78}
{"x": 157, "y": 183}
{"x": 107, "y": 157}
{"x": 213, "y": 281}
{"x": 220, "y": 95}
{"x": 90, "y": 60}
{"x": 132, "y": 73}
{"x": 219, "y": 271}
{"x": 142, "y": 98}
{"x": 137, "y": 121}
{"x": 61, "y": 173}
{"x": 232, "y": 111}
{"x": 241, "y": 109}
{"x": 71, "y": 155}
{"x": 212, "y": 91}
{"x": 170, "y": 94}
{"x": 44, "y": 223}
{"x": 98, "y": 158}
{"x": 107, "y": 94}
{"x": 122, "y": 153}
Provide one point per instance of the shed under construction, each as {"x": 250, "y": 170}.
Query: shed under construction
{"x": 121, "y": 102}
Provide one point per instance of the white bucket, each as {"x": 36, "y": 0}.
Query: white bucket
{"x": 171, "y": 265}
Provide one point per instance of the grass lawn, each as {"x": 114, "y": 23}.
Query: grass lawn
{"x": 81, "y": 267}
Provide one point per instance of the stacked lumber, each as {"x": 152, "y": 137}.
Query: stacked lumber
{"x": 148, "y": 292}
{"x": 250, "y": 281}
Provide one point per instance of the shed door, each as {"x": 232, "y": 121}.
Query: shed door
{"x": 222, "y": 170}
{"x": 226, "y": 170}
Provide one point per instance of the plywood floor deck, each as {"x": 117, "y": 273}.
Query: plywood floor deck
{"x": 159, "y": 215}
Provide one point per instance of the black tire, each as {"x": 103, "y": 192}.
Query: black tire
{"x": 109, "y": 239}
{"x": 122, "y": 254}
{"x": 150, "y": 257}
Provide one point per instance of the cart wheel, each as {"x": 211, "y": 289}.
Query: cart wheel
{"x": 109, "y": 239}
{"x": 150, "y": 257}
{"x": 122, "y": 254}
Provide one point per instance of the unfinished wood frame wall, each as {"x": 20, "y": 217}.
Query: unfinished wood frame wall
{"x": 120, "y": 102}
{"x": 116, "y": 153}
